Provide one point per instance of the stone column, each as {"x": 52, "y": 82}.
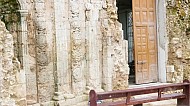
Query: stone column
{"x": 77, "y": 46}
{"x": 162, "y": 39}
{"x": 93, "y": 45}
{"x": 107, "y": 62}
{"x": 62, "y": 69}
{"x": 22, "y": 66}
{"x": 26, "y": 70}
{"x": 115, "y": 68}
{"x": 44, "y": 53}
{"x": 107, "y": 50}
{"x": 24, "y": 40}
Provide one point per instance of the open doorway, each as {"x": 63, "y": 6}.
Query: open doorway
{"x": 138, "y": 18}
{"x": 126, "y": 19}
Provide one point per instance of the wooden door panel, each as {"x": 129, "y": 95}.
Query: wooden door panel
{"x": 151, "y": 4}
{"x": 151, "y": 17}
{"x": 136, "y": 4}
{"x": 137, "y": 17}
{"x": 142, "y": 57}
{"x": 145, "y": 45}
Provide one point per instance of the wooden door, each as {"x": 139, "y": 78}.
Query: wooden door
{"x": 145, "y": 41}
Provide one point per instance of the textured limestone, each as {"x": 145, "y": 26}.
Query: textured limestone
{"x": 31, "y": 77}
{"x": 77, "y": 46}
{"x": 7, "y": 74}
{"x": 120, "y": 68}
{"x": 44, "y": 49}
{"x": 178, "y": 34}
{"x": 12, "y": 88}
{"x": 69, "y": 47}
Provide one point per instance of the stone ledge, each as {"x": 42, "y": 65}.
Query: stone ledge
{"x": 7, "y": 102}
{"x": 172, "y": 102}
{"x": 77, "y": 101}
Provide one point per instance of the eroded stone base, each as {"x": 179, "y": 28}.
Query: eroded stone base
{"x": 7, "y": 102}
{"x": 74, "y": 101}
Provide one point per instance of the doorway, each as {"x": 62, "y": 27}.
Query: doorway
{"x": 126, "y": 19}
{"x": 138, "y": 18}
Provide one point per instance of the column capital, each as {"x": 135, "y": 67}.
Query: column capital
{"x": 23, "y": 12}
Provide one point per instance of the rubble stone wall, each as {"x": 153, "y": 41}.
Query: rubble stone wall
{"x": 178, "y": 27}
{"x": 69, "y": 47}
{"x": 12, "y": 78}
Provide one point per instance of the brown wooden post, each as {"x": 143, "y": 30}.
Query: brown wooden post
{"x": 128, "y": 97}
{"x": 185, "y": 101}
{"x": 93, "y": 98}
{"x": 159, "y": 94}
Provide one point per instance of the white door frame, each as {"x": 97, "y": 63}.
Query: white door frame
{"x": 161, "y": 39}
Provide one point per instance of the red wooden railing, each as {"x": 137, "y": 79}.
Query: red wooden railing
{"x": 182, "y": 97}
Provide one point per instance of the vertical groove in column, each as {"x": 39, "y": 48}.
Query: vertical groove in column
{"x": 44, "y": 47}
{"x": 77, "y": 47}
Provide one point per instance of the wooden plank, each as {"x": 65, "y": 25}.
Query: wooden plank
{"x": 155, "y": 98}
{"x": 118, "y": 103}
{"x": 182, "y": 98}
{"x": 138, "y": 91}
{"x": 144, "y": 100}
{"x": 186, "y": 101}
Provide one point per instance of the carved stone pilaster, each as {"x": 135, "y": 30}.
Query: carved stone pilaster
{"x": 62, "y": 71}
{"x": 77, "y": 48}
{"x": 23, "y": 40}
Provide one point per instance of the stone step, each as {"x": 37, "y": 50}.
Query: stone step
{"x": 171, "y": 102}
{"x": 85, "y": 103}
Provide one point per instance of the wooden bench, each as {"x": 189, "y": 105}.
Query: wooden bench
{"x": 161, "y": 91}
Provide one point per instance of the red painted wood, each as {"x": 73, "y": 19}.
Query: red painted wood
{"x": 186, "y": 101}
{"x": 183, "y": 98}
{"x": 93, "y": 98}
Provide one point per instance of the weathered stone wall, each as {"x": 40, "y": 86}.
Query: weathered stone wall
{"x": 11, "y": 18}
{"x": 69, "y": 47}
{"x": 12, "y": 78}
{"x": 178, "y": 35}
{"x": 88, "y": 43}
{"x": 115, "y": 69}
{"x": 44, "y": 49}
{"x": 97, "y": 59}
{"x": 7, "y": 74}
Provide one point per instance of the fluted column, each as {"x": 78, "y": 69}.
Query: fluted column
{"x": 24, "y": 40}
{"x": 77, "y": 46}
{"x": 62, "y": 71}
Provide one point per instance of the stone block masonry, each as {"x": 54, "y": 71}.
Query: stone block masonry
{"x": 70, "y": 47}
{"x": 12, "y": 78}
{"x": 178, "y": 39}
{"x": 64, "y": 48}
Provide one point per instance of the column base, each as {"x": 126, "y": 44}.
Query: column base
{"x": 7, "y": 102}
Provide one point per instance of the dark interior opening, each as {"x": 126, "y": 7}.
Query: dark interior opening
{"x": 126, "y": 19}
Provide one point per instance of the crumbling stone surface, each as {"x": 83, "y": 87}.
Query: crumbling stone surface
{"x": 178, "y": 34}
{"x": 112, "y": 34}
{"x": 68, "y": 47}
{"x": 12, "y": 90}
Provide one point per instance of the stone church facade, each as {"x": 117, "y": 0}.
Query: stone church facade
{"x": 54, "y": 51}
